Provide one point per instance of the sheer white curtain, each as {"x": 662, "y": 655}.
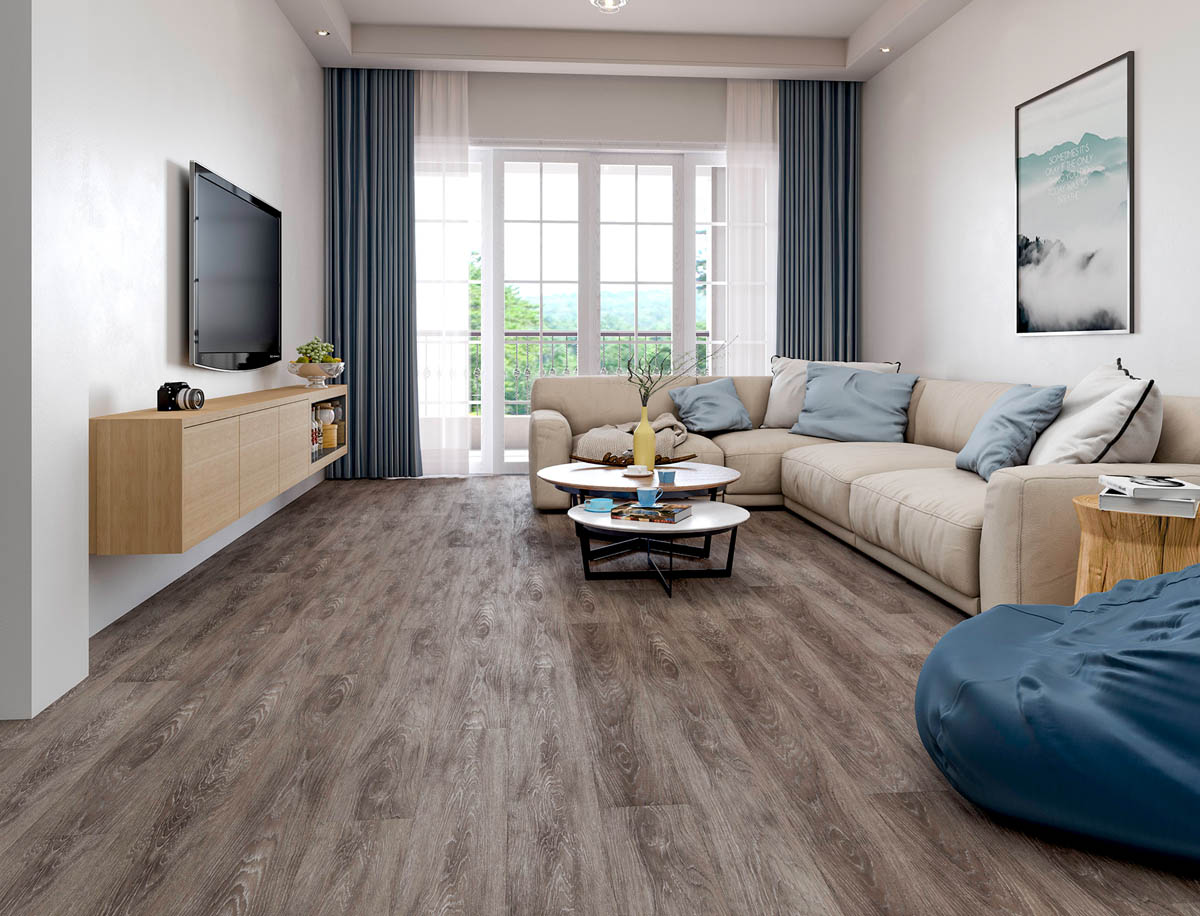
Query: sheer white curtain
{"x": 447, "y": 221}
{"x": 752, "y": 162}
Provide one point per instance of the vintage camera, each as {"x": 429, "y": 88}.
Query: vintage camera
{"x": 178, "y": 396}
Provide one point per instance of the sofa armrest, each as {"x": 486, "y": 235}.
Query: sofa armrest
{"x": 549, "y": 444}
{"x": 1030, "y": 542}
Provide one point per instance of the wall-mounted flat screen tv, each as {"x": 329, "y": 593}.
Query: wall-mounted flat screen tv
{"x": 234, "y": 263}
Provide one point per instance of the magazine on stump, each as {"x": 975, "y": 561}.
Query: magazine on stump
{"x": 1168, "y": 496}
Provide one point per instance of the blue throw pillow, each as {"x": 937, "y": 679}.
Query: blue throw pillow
{"x": 713, "y": 407}
{"x": 855, "y": 405}
{"x": 1004, "y": 435}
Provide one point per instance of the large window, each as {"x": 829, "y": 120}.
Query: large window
{"x": 541, "y": 275}
{"x": 581, "y": 261}
{"x": 637, "y": 261}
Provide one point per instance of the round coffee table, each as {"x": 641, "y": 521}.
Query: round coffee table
{"x": 692, "y": 479}
{"x": 706, "y": 520}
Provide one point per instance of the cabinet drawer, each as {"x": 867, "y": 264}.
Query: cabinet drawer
{"x": 210, "y": 479}
{"x": 297, "y": 415}
{"x": 258, "y": 457}
{"x": 295, "y": 454}
{"x": 210, "y": 440}
{"x": 262, "y": 424}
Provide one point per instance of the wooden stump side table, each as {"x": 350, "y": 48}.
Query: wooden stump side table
{"x": 1122, "y": 545}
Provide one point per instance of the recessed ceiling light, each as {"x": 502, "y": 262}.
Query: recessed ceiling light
{"x": 886, "y": 50}
{"x": 608, "y": 6}
{"x": 324, "y": 33}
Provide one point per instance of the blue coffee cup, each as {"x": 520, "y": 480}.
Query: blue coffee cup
{"x": 648, "y": 496}
{"x": 598, "y": 504}
{"x": 666, "y": 478}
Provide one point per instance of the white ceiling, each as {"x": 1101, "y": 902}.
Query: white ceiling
{"x": 797, "y": 18}
{"x": 751, "y": 39}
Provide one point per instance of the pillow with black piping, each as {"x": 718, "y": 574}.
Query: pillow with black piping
{"x": 1110, "y": 416}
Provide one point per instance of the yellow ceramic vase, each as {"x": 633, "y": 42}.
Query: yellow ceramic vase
{"x": 643, "y": 443}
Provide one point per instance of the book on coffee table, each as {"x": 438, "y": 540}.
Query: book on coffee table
{"x": 1147, "y": 487}
{"x": 1112, "y": 500}
{"x": 662, "y": 513}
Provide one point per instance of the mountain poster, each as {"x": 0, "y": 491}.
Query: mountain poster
{"x": 1074, "y": 196}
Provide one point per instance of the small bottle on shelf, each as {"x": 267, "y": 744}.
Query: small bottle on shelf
{"x": 339, "y": 420}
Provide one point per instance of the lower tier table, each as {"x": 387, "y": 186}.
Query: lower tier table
{"x": 623, "y": 537}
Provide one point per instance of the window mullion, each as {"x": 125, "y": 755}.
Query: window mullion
{"x": 589, "y": 266}
{"x": 683, "y": 311}
{"x": 492, "y": 317}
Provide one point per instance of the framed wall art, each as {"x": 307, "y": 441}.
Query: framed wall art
{"x": 1075, "y": 205}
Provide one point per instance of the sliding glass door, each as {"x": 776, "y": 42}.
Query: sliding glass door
{"x": 586, "y": 260}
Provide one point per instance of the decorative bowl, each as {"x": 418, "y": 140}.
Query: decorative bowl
{"x": 316, "y": 373}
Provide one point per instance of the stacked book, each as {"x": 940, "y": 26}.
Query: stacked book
{"x": 1149, "y": 495}
{"x": 661, "y": 513}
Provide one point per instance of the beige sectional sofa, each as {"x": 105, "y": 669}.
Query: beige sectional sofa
{"x": 975, "y": 544}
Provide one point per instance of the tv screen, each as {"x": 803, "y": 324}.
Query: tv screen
{"x": 235, "y": 275}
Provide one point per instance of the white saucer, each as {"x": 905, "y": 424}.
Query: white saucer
{"x": 638, "y": 476}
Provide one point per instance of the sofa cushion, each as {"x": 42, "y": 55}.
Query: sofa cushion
{"x": 930, "y": 517}
{"x": 943, "y": 413}
{"x": 752, "y": 390}
{"x": 1111, "y": 415}
{"x": 788, "y": 382}
{"x": 756, "y": 453}
{"x": 588, "y": 401}
{"x": 854, "y": 405}
{"x": 819, "y": 476}
{"x": 1005, "y": 434}
{"x": 705, "y": 450}
{"x": 711, "y": 407}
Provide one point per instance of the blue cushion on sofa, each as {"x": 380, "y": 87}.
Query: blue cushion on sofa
{"x": 854, "y": 405}
{"x": 712, "y": 407}
{"x": 1004, "y": 435}
{"x": 1080, "y": 718}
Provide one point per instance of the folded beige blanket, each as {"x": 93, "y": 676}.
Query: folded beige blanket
{"x": 668, "y": 434}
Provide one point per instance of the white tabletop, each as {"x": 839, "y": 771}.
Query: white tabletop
{"x": 689, "y": 476}
{"x": 706, "y": 517}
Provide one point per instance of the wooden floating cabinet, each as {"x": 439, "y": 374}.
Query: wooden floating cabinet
{"x": 161, "y": 482}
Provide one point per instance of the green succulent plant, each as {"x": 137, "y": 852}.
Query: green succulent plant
{"x": 316, "y": 351}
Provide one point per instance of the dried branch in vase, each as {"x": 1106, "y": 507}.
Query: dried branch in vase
{"x": 653, "y": 372}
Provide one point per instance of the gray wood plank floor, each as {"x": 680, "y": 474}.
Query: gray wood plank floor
{"x": 402, "y": 697}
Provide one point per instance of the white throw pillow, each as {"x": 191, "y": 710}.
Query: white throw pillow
{"x": 786, "y": 399}
{"x": 1110, "y": 416}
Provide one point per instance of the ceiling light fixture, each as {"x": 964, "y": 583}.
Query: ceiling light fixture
{"x": 608, "y": 6}
{"x": 886, "y": 50}
{"x": 324, "y": 33}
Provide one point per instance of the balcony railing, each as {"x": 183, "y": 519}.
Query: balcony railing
{"x": 534, "y": 354}
{"x": 527, "y": 355}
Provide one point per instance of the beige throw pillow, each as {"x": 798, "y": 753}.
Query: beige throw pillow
{"x": 1110, "y": 416}
{"x": 786, "y": 398}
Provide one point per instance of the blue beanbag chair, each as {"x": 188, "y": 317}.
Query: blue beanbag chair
{"x": 1084, "y": 718}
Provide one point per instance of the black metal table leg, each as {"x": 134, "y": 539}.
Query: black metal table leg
{"x": 652, "y": 545}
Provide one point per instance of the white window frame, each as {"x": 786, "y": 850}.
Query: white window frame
{"x": 683, "y": 309}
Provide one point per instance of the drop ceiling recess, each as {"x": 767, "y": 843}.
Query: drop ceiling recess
{"x": 789, "y": 39}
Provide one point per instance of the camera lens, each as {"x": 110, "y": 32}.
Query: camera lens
{"x": 190, "y": 399}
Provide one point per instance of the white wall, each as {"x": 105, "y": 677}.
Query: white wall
{"x": 586, "y": 109}
{"x": 939, "y": 221}
{"x": 125, "y": 93}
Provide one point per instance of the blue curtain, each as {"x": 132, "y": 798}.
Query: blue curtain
{"x": 818, "y": 219}
{"x": 370, "y": 288}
